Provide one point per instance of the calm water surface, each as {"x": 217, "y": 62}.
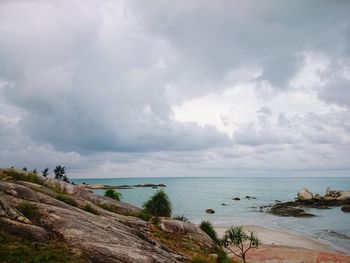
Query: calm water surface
{"x": 192, "y": 196}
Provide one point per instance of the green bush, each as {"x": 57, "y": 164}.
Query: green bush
{"x": 67, "y": 200}
{"x": 113, "y": 194}
{"x": 208, "y": 228}
{"x": 158, "y": 205}
{"x": 90, "y": 209}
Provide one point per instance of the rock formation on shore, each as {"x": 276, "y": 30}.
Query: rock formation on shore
{"x": 306, "y": 199}
{"x": 100, "y": 228}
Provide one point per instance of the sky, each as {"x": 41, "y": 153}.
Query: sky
{"x": 176, "y": 88}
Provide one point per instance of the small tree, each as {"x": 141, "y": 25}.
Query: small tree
{"x": 241, "y": 240}
{"x": 45, "y": 172}
{"x": 24, "y": 169}
{"x": 158, "y": 205}
{"x": 35, "y": 171}
{"x": 113, "y": 194}
{"x": 59, "y": 172}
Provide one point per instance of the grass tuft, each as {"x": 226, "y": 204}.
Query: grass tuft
{"x": 30, "y": 211}
{"x": 67, "y": 200}
{"x": 90, "y": 209}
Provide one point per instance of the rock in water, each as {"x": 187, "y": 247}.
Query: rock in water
{"x": 210, "y": 211}
{"x": 236, "y": 198}
{"x": 346, "y": 209}
{"x": 304, "y": 194}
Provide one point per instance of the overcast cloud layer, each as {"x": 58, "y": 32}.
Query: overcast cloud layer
{"x": 176, "y": 88}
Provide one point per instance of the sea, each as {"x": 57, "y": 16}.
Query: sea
{"x": 192, "y": 196}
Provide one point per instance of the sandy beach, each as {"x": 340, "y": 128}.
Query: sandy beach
{"x": 283, "y": 246}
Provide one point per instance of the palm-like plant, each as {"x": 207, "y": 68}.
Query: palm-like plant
{"x": 45, "y": 172}
{"x": 243, "y": 241}
{"x": 158, "y": 205}
{"x": 59, "y": 172}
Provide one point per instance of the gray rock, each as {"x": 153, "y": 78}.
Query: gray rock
{"x": 210, "y": 211}
{"x": 345, "y": 195}
{"x": 304, "y": 194}
{"x": 192, "y": 231}
{"x": 346, "y": 209}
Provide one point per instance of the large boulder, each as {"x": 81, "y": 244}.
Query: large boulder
{"x": 345, "y": 195}
{"x": 304, "y": 194}
{"x": 280, "y": 209}
{"x": 188, "y": 230}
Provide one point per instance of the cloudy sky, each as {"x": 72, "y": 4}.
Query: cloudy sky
{"x": 176, "y": 88}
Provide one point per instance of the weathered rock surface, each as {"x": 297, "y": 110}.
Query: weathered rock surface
{"x": 102, "y": 235}
{"x": 191, "y": 230}
{"x": 82, "y": 193}
{"x": 304, "y": 194}
{"x": 344, "y": 196}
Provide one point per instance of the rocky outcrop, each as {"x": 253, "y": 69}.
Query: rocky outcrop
{"x": 56, "y": 210}
{"x": 307, "y": 200}
{"x": 103, "y": 238}
{"x": 332, "y": 197}
{"x": 304, "y": 194}
{"x": 286, "y": 209}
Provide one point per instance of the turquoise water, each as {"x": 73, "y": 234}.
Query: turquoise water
{"x": 192, "y": 196}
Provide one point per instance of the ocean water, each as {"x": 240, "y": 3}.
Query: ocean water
{"x": 192, "y": 196}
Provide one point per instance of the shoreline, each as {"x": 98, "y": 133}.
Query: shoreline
{"x": 284, "y": 246}
{"x": 279, "y": 237}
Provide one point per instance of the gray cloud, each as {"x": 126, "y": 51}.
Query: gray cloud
{"x": 90, "y": 83}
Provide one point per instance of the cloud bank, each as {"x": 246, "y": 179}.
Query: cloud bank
{"x": 164, "y": 88}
